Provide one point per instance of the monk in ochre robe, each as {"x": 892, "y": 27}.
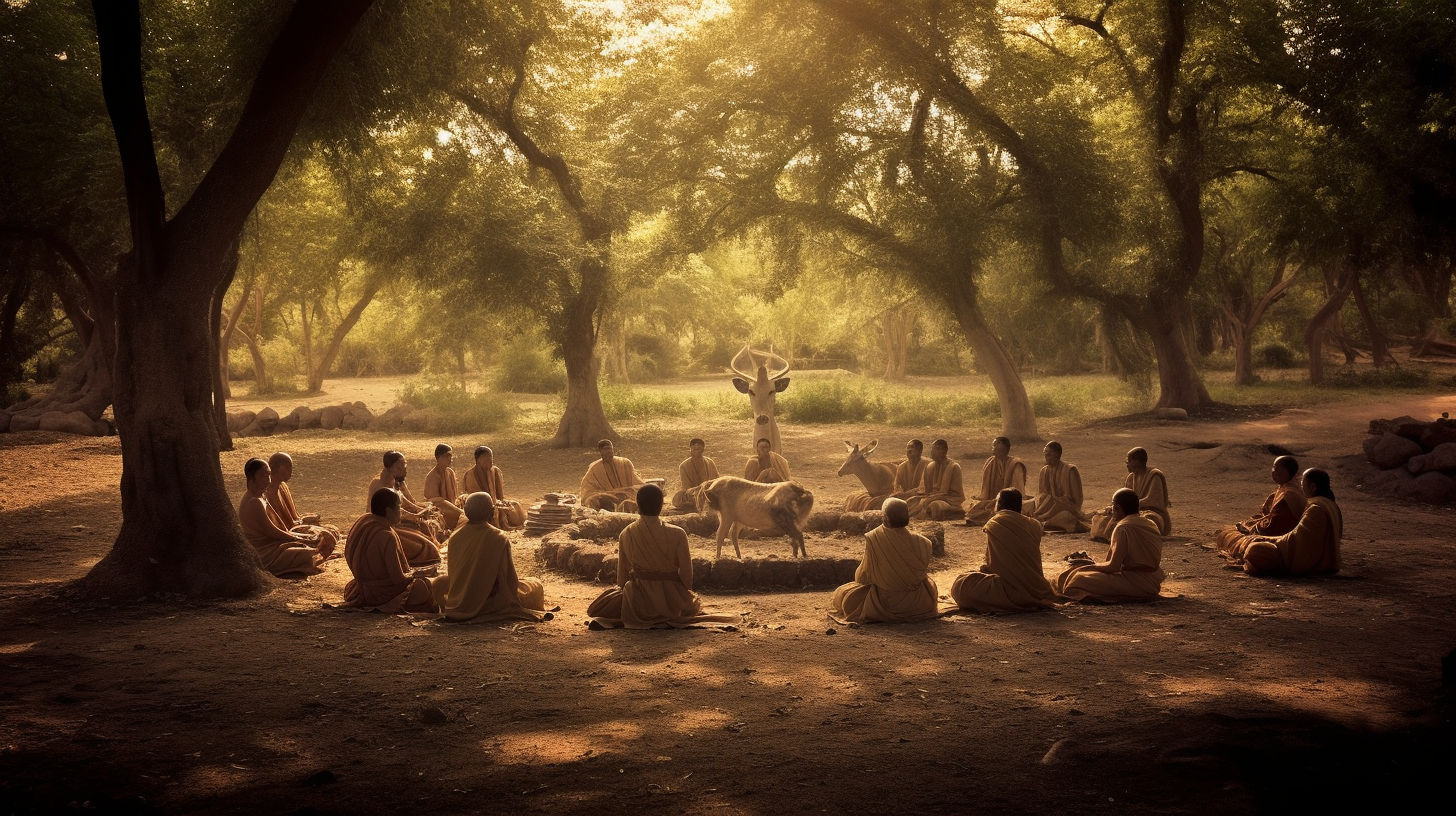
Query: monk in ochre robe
{"x": 280, "y": 550}
{"x": 910, "y": 473}
{"x": 611, "y": 482}
{"x": 1132, "y": 570}
{"x": 382, "y": 576}
{"x": 941, "y": 495}
{"x": 1278, "y": 515}
{"x": 694, "y": 470}
{"x": 441, "y": 489}
{"x": 418, "y": 526}
{"x": 1152, "y": 489}
{"x": 892, "y": 583}
{"x": 654, "y": 576}
{"x": 485, "y": 477}
{"x": 1001, "y": 471}
{"x": 480, "y": 583}
{"x": 1011, "y": 580}
{"x": 280, "y": 499}
{"x": 1313, "y": 546}
{"x": 1058, "y": 503}
{"x": 766, "y": 465}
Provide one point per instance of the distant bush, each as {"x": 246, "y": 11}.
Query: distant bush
{"x": 528, "y": 368}
{"x": 626, "y": 402}
{"x": 831, "y": 400}
{"x": 455, "y": 409}
{"x": 1275, "y": 355}
{"x": 1385, "y": 377}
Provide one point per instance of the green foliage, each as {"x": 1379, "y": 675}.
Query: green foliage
{"x": 450, "y": 408}
{"x": 1387, "y": 377}
{"x": 1275, "y": 355}
{"x": 626, "y": 402}
{"x": 526, "y": 367}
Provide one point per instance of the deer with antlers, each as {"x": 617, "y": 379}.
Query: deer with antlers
{"x": 762, "y": 385}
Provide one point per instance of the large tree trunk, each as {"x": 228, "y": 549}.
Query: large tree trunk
{"x": 1018, "y": 422}
{"x": 1379, "y": 347}
{"x": 584, "y": 422}
{"x": 1243, "y": 354}
{"x": 1179, "y": 385}
{"x": 1314, "y": 332}
{"x": 317, "y": 374}
{"x": 219, "y": 357}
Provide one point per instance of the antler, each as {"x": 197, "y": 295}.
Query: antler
{"x": 747, "y": 362}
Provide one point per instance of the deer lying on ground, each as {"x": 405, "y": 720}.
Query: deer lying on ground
{"x": 740, "y": 504}
{"x": 878, "y": 478}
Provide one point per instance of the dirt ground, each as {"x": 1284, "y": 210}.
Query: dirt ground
{"x": 1229, "y": 694}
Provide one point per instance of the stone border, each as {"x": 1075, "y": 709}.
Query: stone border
{"x": 587, "y": 549}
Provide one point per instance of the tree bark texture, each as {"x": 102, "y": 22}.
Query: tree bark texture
{"x": 219, "y": 354}
{"x": 1314, "y": 332}
{"x": 584, "y": 422}
{"x": 1018, "y": 422}
{"x": 319, "y": 373}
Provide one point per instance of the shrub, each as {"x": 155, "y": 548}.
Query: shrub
{"x": 1275, "y": 355}
{"x": 1385, "y": 377}
{"x": 626, "y": 402}
{"x": 456, "y": 409}
{"x": 528, "y": 368}
{"x": 831, "y": 400}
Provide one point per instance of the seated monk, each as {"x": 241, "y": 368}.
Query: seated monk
{"x": 654, "y": 576}
{"x": 382, "y": 577}
{"x": 1279, "y": 514}
{"x": 485, "y": 477}
{"x": 1152, "y": 489}
{"x": 1000, "y": 472}
{"x": 1131, "y": 571}
{"x": 1058, "y": 503}
{"x": 280, "y": 499}
{"x": 911, "y": 472}
{"x": 611, "y": 482}
{"x": 766, "y": 465}
{"x": 892, "y": 583}
{"x": 941, "y": 495}
{"x": 693, "y": 471}
{"x": 481, "y": 582}
{"x": 280, "y": 550}
{"x": 419, "y": 526}
{"x": 1313, "y": 546}
{"x": 440, "y": 487}
{"x": 1011, "y": 580}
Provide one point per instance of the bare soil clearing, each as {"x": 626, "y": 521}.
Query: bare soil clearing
{"x": 1230, "y": 694}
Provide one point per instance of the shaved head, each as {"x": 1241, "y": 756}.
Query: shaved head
{"x": 279, "y": 458}
{"x": 479, "y": 507}
{"x": 897, "y": 512}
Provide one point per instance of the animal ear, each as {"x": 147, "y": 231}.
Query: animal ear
{"x": 871, "y": 446}
{"x": 849, "y": 445}
{"x": 741, "y": 384}
{"x": 781, "y": 383}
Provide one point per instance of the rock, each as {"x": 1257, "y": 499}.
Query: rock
{"x": 1435, "y": 488}
{"x": 1179, "y": 414}
{"x": 20, "y": 423}
{"x": 702, "y": 571}
{"x": 4, "y": 421}
{"x": 267, "y": 419}
{"x": 588, "y": 563}
{"x": 308, "y": 418}
{"x": 1412, "y": 430}
{"x": 293, "y": 421}
{"x": 357, "y": 418}
{"x": 934, "y": 531}
{"x": 393, "y": 419}
{"x": 1440, "y": 432}
{"x": 1442, "y": 457}
{"x": 608, "y": 572}
{"x": 728, "y": 573}
{"x": 1380, "y": 427}
{"x": 771, "y": 572}
{"x": 844, "y": 570}
{"x": 253, "y": 429}
{"x": 817, "y": 572}
{"x": 856, "y": 524}
{"x": 331, "y": 418}
{"x": 75, "y": 422}
{"x": 824, "y": 521}
{"x": 238, "y": 420}
{"x": 1392, "y": 451}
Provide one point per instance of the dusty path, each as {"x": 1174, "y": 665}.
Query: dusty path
{"x": 1230, "y": 694}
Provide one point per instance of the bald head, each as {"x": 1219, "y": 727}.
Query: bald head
{"x": 282, "y": 466}
{"x": 479, "y": 507}
{"x": 279, "y": 458}
{"x": 897, "y": 512}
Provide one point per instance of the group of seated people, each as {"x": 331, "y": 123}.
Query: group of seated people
{"x": 611, "y": 482}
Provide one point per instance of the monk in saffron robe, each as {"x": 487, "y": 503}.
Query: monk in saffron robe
{"x": 382, "y": 577}
{"x": 280, "y": 499}
{"x": 1313, "y": 546}
{"x": 694, "y": 470}
{"x": 1058, "y": 503}
{"x": 480, "y": 583}
{"x": 441, "y": 489}
{"x": 1132, "y": 571}
{"x": 1011, "y": 580}
{"x": 910, "y": 473}
{"x": 611, "y": 482}
{"x": 485, "y": 477}
{"x": 654, "y": 576}
{"x": 766, "y": 466}
{"x": 1278, "y": 515}
{"x": 941, "y": 495}
{"x": 280, "y": 550}
{"x": 892, "y": 583}
{"x": 1152, "y": 489}
{"x": 418, "y": 525}
{"x": 1001, "y": 471}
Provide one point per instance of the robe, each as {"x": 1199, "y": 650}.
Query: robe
{"x": 441, "y": 491}
{"x": 909, "y": 475}
{"x": 280, "y": 498}
{"x": 693, "y": 472}
{"x": 1278, "y": 515}
{"x": 1011, "y": 580}
{"x": 278, "y": 551}
{"x": 1312, "y": 547}
{"x": 417, "y": 537}
{"x": 892, "y": 584}
{"x": 777, "y": 470}
{"x": 654, "y": 581}
{"x": 610, "y": 487}
{"x": 382, "y": 578}
{"x": 941, "y": 495}
{"x": 1058, "y": 504}
{"x": 996, "y": 476}
{"x": 1151, "y": 487}
{"x": 1133, "y": 563}
{"x": 481, "y": 582}
{"x": 508, "y": 514}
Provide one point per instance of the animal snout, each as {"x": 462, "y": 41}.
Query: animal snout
{"x": 761, "y": 419}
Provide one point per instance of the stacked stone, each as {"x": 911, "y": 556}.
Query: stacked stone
{"x": 348, "y": 416}
{"x": 1417, "y": 458}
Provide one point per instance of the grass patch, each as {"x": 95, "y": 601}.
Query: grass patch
{"x": 626, "y": 402}
{"x": 449, "y": 408}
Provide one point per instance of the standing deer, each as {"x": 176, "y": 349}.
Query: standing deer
{"x": 761, "y": 388}
{"x": 878, "y": 478}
